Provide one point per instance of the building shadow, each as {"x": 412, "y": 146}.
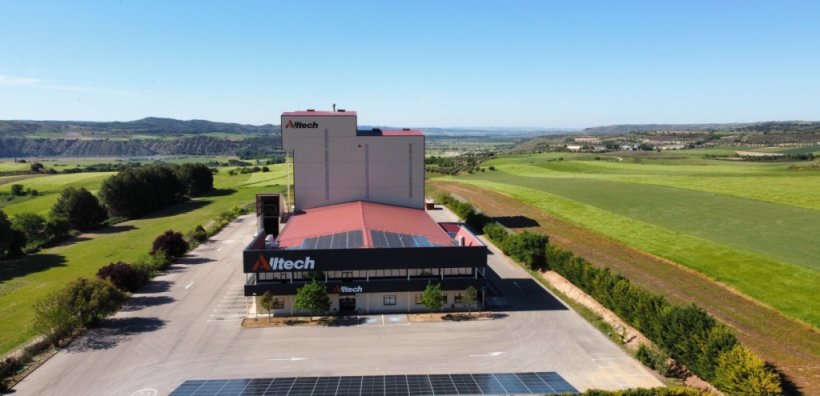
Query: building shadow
{"x": 111, "y": 332}
{"x": 136, "y": 303}
{"x": 516, "y": 221}
{"x": 25, "y": 265}
{"x": 191, "y": 260}
{"x": 520, "y": 294}
{"x": 347, "y": 320}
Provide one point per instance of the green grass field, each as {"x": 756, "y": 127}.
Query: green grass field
{"x": 24, "y": 281}
{"x": 750, "y": 225}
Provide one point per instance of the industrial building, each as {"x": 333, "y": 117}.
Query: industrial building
{"x": 357, "y": 222}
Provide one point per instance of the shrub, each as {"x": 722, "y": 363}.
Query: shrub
{"x": 123, "y": 276}
{"x": 312, "y": 297}
{"x": 527, "y": 248}
{"x": 197, "y": 178}
{"x": 81, "y": 208}
{"x": 654, "y": 359}
{"x": 496, "y": 232}
{"x": 17, "y": 190}
{"x": 12, "y": 240}
{"x": 81, "y": 302}
{"x": 740, "y": 372}
{"x": 33, "y": 226}
{"x": 171, "y": 243}
{"x": 199, "y": 234}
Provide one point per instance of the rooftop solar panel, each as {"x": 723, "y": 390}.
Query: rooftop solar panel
{"x": 354, "y": 239}
{"x": 379, "y": 240}
{"x": 393, "y": 240}
{"x": 436, "y": 384}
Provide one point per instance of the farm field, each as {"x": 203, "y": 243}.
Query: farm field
{"x": 27, "y": 279}
{"x": 760, "y": 239}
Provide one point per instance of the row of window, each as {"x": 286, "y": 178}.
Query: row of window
{"x": 362, "y": 274}
{"x": 279, "y": 303}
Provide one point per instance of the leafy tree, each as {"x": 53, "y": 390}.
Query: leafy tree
{"x": 17, "y": 190}
{"x": 528, "y": 248}
{"x": 312, "y": 297}
{"x": 469, "y": 298}
{"x": 53, "y": 317}
{"x": 171, "y": 243}
{"x": 123, "y": 276}
{"x": 266, "y": 302}
{"x": 37, "y": 167}
{"x": 740, "y": 372}
{"x": 81, "y": 302}
{"x": 197, "y": 178}
{"x": 81, "y": 208}
{"x": 57, "y": 228}
{"x": 431, "y": 297}
{"x": 33, "y": 226}
{"x": 12, "y": 240}
{"x": 136, "y": 191}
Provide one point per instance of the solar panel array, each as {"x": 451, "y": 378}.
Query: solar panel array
{"x": 384, "y": 239}
{"x": 408, "y": 385}
{"x": 341, "y": 240}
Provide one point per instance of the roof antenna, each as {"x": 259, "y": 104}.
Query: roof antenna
{"x": 334, "y": 107}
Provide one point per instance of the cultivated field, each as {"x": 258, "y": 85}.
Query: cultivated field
{"x": 749, "y": 225}
{"x": 25, "y": 280}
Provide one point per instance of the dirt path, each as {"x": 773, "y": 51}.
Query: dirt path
{"x": 793, "y": 347}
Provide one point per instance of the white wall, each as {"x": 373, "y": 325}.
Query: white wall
{"x": 394, "y": 173}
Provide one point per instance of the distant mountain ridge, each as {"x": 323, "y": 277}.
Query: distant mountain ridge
{"x": 145, "y": 126}
{"x": 766, "y": 126}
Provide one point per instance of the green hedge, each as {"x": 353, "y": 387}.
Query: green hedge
{"x": 687, "y": 333}
{"x": 464, "y": 210}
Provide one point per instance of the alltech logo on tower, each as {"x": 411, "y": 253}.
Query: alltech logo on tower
{"x": 301, "y": 125}
{"x": 280, "y": 264}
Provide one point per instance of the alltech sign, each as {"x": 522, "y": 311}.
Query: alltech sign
{"x": 263, "y": 264}
{"x": 291, "y": 124}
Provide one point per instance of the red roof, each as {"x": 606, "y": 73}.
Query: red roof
{"x": 319, "y": 113}
{"x": 361, "y": 216}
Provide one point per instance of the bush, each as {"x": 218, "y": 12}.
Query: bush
{"x": 740, "y": 372}
{"x": 149, "y": 264}
{"x": 136, "y": 191}
{"x": 171, "y": 243}
{"x": 312, "y": 297}
{"x": 464, "y": 210}
{"x": 197, "y": 178}
{"x": 497, "y": 233}
{"x": 81, "y": 208}
{"x": 12, "y": 240}
{"x": 688, "y": 334}
{"x": 198, "y": 234}
{"x": 17, "y": 190}
{"x": 527, "y": 248}
{"x": 123, "y": 276}
{"x": 82, "y": 302}
{"x": 653, "y": 359}
{"x": 33, "y": 226}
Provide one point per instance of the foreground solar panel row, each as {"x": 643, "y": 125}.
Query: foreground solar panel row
{"x": 541, "y": 383}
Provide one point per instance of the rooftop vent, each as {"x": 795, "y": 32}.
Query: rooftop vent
{"x": 341, "y": 110}
{"x": 405, "y": 129}
{"x": 311, "y": 109}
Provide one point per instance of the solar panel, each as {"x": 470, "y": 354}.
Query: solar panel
{"x": 393, "y": 240}
{"x": 324, "y": 242}
{"x": 354, "y": 239}
{"x": 435, "y": 384}
{"x": 379, "y": 240}
{"x": 338, "y": 241}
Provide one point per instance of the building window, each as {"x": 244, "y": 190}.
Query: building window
{"x": 444, "y": 298}
{"x": 389, "y": 300}
{"x": 278, "y": 303}
{"x": 418, "y": 299}
{"x": 457, "y": 298}
{"x": 347, "y": 275}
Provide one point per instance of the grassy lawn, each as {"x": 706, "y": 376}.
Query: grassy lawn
{"x": 24, "y": 281}
{"x": 49, "y": 187}
{"x": 762, "y": 247}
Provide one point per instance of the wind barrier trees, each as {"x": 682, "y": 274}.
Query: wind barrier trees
{"x": 137, "y": 191}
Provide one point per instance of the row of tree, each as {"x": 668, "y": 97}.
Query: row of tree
{"x": 137, "y": 191}
{"x": 464, "y": 210}
{"x": 688, "y": 334}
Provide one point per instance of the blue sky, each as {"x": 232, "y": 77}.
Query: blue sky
{"x": 419, "y": 63}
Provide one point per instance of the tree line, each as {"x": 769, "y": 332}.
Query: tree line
{"x": 131, "y": 193}
{"x": 688, "y": 334}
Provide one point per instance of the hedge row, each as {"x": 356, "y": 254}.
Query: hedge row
{"x": 464, "y": 210}
{"x": 687, "y": 333}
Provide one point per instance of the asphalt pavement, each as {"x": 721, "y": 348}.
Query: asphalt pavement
{"x": 186, "y": 325}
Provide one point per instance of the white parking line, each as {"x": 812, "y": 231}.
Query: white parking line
{"x": 491, "y": 354}
{"x": 188, "y": 286}
{"x": 293, "y": 359}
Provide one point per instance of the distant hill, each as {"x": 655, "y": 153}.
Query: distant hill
{"x": 145, "y": 137}
{"x": 769, "y": 126}
{"x": 146, "y": 126}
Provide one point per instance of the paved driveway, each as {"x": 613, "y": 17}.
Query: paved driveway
{"x": 185, "y": 326}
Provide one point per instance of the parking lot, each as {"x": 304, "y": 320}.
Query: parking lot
{"x": 184, "y": 327}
